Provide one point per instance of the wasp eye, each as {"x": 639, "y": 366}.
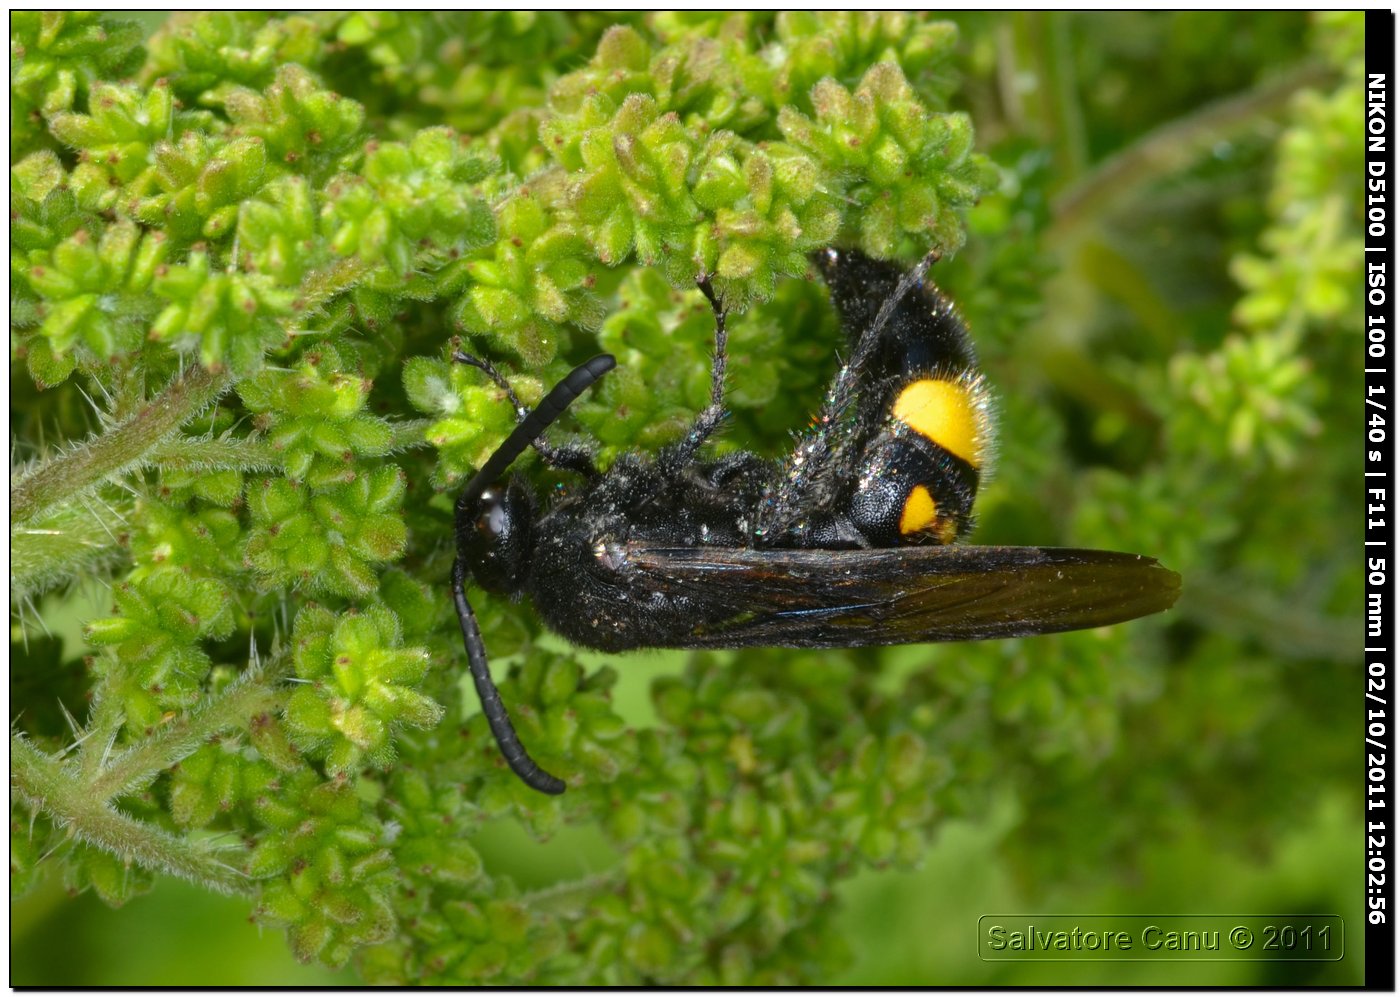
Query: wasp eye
{"x": 492, "y": 520}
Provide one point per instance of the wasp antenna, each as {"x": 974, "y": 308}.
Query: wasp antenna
{"x": 529, "y": 428}
{"x": 497, "y": 718}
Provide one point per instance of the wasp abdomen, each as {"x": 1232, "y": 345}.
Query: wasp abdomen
{"x": 918, "y": 474}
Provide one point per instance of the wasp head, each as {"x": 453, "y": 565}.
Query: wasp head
{"x": 495, "y": 537}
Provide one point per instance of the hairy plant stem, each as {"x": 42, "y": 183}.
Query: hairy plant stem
{"x": 322, "y": 285}
{"x": 78, "y": 794}
{"x": 220, "y": 454}
{"x": 68, "y": 475}
{"x": 572, "y": 896}
{"x": 1054, "y": 53}
{"x": 1229, "y": 606}
{"x": 409, "y": 434}
{"x": 253, "y": 692}
{"x": 65, "y": 542}
{"x": 49, "y": 785}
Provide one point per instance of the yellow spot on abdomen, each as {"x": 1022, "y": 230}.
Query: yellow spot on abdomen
{"x": 944, "y": 412}
{"x": 919, "y": 511}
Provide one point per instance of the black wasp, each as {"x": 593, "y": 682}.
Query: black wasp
{"x": 846, "y": 542}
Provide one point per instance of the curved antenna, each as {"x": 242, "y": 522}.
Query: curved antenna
{"x": 497, "y": 718}
{"x": 529, "y": 428}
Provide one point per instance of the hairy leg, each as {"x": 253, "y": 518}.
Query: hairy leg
{"x": 713, "y": 414}
{"x": 573, "y": 457}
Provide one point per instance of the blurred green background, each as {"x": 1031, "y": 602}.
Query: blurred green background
{"x": 1164, "y": 294}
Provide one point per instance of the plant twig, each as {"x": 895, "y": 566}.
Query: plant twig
{"x": 572, "y": 896}
{"x": 1169, "y": 148}
{"x": 47, "y": 785}
{"x": 252, "y": 692}
{"x": 1056, "y": 57}
{"x": 70, "y": 541}
{"x": 68, "y": 475}
{"x": 408, "y": 434}
{"x": 218, "y": 454}
{"x": 1230, "y": 606}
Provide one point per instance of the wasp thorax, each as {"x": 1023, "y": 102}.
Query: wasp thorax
{"x": 496, "y": 541}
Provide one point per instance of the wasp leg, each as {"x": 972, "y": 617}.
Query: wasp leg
{"x": 739, "y": 470}
{"x": 571, "y": 457}
{"x": 823, "y": 460}
{"x": 497, "y": 718}
{"x": 713, "y": 414}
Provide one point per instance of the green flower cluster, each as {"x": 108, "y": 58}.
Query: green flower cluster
{"x": 203, "y": 54}
{"x": 332, "y": 515}
{"x": 724, "y": 837}
{"x": 565, "y": 711}
{"x": 328, "y": 873}
{"x": 246, "y": 212}
{"x": 157, "y": 662}
{"x": 1238, "y": 419}
{"x": 55, "y": 58}
{"x": 1255, "y": 390}
{"x": 747, "y": 201}
{"x": 96, "y": 292}
{"x": 330, "y": 541}
{"x": 470, "y": 69}
{"x": 406, "y": 197}
{"x": 362, "y": 688}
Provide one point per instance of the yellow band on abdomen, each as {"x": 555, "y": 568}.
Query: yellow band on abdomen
{"x": 945, "y": 413}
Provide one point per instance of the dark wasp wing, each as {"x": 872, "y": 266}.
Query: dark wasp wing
{"x": 911, "y": 595}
